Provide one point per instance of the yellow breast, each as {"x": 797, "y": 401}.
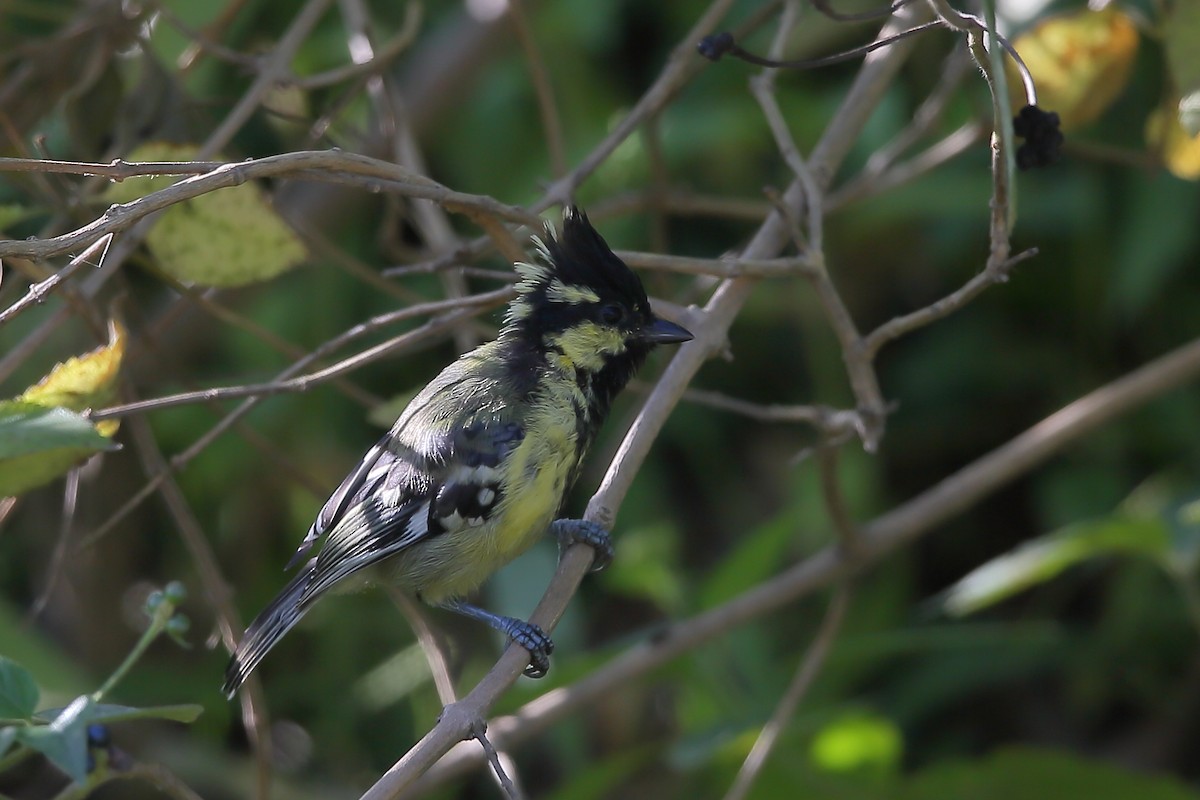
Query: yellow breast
{"x": 533, "y": 487}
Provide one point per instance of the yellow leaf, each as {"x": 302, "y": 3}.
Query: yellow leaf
{"x": 230, "y": 237}
{"x": 42, "y": 435}
{"x": 1180, "y": 150}
{"x": 1080, "y": 63}
{"x": 85, "y": 381}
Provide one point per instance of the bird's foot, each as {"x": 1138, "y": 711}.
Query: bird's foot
{"x": 582, "y": 531}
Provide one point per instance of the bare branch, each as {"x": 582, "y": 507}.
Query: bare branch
{"x": 302, "y": 383}
{"x": 882, "y": 536}
{"x": 894, "y": 329}
{"x": 379, "y": 61}
{"x": 93, "y": 256}
{"x": 322, "y": 165}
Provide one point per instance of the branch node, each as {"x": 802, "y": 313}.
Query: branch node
{"x": 464, "y": 719}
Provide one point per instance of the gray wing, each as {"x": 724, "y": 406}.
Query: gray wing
{"x": 431, "y": 474}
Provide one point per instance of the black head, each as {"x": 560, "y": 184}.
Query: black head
{"x": 583, "y": 303}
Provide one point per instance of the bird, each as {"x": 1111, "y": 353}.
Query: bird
{"x": 477, "y": 466}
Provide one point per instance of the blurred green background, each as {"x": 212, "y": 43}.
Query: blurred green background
{"x": 1087, "y": 684}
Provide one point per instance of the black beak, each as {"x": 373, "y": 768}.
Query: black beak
{"x": 660, "y": 331}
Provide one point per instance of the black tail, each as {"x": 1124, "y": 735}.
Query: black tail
{"x": 268, "y": 628}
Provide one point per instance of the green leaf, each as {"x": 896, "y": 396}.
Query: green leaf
{"x": 230, "y": 237}
{"x": 64, "y": 740}
{"x": 38, "y": 444}
{"x": 7, "y": 737}
{"x": 109, "y": 712}
{"x": 18, "y": 691}
{"x": 55, "y": 670}
{"x": 1044, "y": 558}
{"x": 10, "y": 213}
{"x": 27, "y": 428}
{"x": 858, "y": 741}
{"x": 1031, "y": 774}
{"x": 648, "y": 567}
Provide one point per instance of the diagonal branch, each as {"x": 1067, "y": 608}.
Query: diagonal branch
{"x": 877, "y": 72}
{"x": 879, "y": 538}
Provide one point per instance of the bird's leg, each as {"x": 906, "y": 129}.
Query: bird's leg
{"x": 582, "y": 531}
{"x": 523, "y": 633}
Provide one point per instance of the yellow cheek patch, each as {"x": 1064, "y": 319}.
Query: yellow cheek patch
{"x": 585, "y": 345}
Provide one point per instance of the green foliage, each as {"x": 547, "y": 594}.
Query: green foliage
{"x": 38, "y": 444}
{"x": 1032, "y": 774}
{"x": 1155, "y": 524}
{"x": 68, "y": 736}
{"x": 1076, "y": 621}
{"x": 1043, "y": 559}
{"x": 856, "y": 742}
{"x": 18, "y": 691}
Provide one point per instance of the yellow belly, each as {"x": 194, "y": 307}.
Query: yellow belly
{"x": 457, "y": 562}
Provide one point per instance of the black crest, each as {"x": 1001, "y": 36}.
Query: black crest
{"x": 548, "y": 293}
{"x": 581, "y": 257}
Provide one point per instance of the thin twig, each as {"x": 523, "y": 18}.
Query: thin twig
{"x": 274, "y": 68}
{"x": 844, "y": 525}
{"x": 895, "y": 328}
{"x": 498, "y": 771}
{"x": 302, "y": 383}
{"x": 93, "y": 256}
{"x": 762, "y": 86}
{"x": 433, "y": 327}
{"x": 872, "y": 409}
{"x": 323, "y": 165}
{"x": 870, "y": 185}
{"x": 204, "y": 301}
{"x": 813, "y": 415}
{"x": 62, "y": 546}
{"x": 681, "y": 67}
{"x": 806, "y": 672}
{"x": 729, "y": 267}
{"x": 434, "y": 655}
{"x": 202, "y": 42}
{"x": 216, "y": 588}
{"x": 379, "y": 60}
{"x": 861, "y": 16}
{"x": 547, "y": 107}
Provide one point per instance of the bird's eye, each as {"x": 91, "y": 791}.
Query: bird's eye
{"x": 611, "y": 313}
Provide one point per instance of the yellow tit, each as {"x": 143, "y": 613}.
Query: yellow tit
{"x": 477, "y": 466}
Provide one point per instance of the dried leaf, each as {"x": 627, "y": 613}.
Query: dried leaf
{"x": 1080, "y": 63}
{"x": 1180, "y": 150}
